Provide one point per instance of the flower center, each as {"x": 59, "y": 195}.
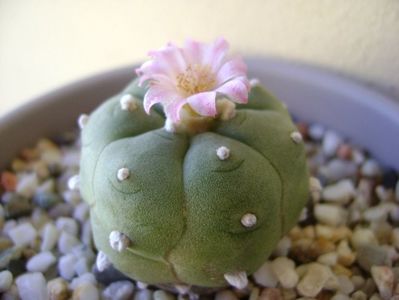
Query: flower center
{"x": 196, "y": 79}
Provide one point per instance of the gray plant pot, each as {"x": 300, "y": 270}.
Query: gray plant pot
{"x": 362, "y": 115}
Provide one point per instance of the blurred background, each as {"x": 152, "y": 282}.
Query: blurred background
{"x": 45, "y": 44}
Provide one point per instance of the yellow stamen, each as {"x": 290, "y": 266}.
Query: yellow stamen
{"x": 196, "y": 79}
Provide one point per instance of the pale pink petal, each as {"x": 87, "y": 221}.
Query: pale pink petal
{"x": 237, "y": 89}
{"x": 156, "y": 95}
{"x": 231, "y": 69}
{"x": 215, "y": 54}
{"x": 193, "y": 52}
{"x": 172, "y": 109}
{"x": 204, "y": 103}
{"x": 170, "y": 58}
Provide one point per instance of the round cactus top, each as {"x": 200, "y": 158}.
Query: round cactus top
{"x": 194, "y": 84}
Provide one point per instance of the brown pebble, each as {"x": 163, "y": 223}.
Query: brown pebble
{"x": 29, "y": 154}
{"x": 341, "y": 270}
{"x": 270, "y": 294}
{"x": 5, "y": 243}
{"x": 9, "y": 181}
{"x": 303, "y": 129}
{"x": 344, "y": 151}
{"x": 308, "y": 250}
{"x": 58, "y": 289}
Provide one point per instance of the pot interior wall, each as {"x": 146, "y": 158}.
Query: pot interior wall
{"x": 367, "y": 118}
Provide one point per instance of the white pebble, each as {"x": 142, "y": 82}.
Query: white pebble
{"x": 71, "y": 196}
{"x": 345, "y": 284}
{"x": 23, "y": 234}
{"x": 123, "y": 174}
{"x": 82, "y": 279}
{"x": 128, "y": 103}
{"x": 337, "y": 169}
{"x": 66, "y": 266}
{"x": 296, "y": 136}
{"x": 315, "y": 189}
{"x": 81, "y": 212}
{"x": 328, "y": 259}
{"x": 363, "y": 236}
{"x": 384, "y": 279}
{"x": 378, "y": 213}
{"x": 331, "y": 142}
{"x": 73, "y": 183}
{"x": 86, "y": 291}
{"x": 32, "y": 286}
{"x": 82, "y": 120}
{"x": 162, "y": 295}
{"x": 339, "y": 296}
{"x": 40, "y": 262}
{"x": 314, "y": 280}
{"x": 330, "y": 214}
{"x": 68, "y": 225}
{"x": 225, "y": 295}
{"x": 370, "y": 168}
{"x": 118, "y": 241}
{"x": 340, "y": 192}
{"x": 66, "y": 242}
{"x": 316, "y": 132}
{"x": 283, "y": 247}
{"x": 5, "y": 280}
{"x": 86, "y": 236}
{"x": 284, "y": 269}
{"x": 49, "y": 237}
{"x": 8, "y": 225}
{"x": 102, "y": 261}
{"x": 143, "y": 295}
{"x": 265, "y": 276}
{"x": 223, "y": 153}
{"x": 141, "y": 285}
{"x": 82, "y": 266}
{"x": 119, "y": 290}
{"x": 248, "y": 220}
{"x": 27, "y": 185}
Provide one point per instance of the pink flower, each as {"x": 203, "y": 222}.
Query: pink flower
{"x": 193, "y": 75}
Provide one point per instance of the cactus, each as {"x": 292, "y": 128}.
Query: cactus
{"x": 179, "y": 208}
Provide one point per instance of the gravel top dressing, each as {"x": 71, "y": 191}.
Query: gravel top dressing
{"x": 344, "y": 247}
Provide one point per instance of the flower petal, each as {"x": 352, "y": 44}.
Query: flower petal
{"x": 172, "y": 109}
{"x": 193, "y": 52}
{"x": 237, "y": 89}
{"x": 204, "y": 103}
{"x": 215, "y": 53}
{"x": 156, "y": 95}
{"x": 170, "y": 59}
{"x": 231, "y": 69}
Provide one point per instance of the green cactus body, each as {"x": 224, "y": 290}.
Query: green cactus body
{"x": 181, "y": 205}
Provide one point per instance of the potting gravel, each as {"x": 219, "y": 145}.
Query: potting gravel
{"x": 345, "y": 245}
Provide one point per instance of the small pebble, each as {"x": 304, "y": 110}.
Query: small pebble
{"x": 359, "y": 295}
{"x": 5, "y": 280}
{"x": 224, "y": 295}
{"x": 49, "y": 237}
{"x": 23, "y": 234}
{"x": 284, "y": 269}
{"x": 314, "y": 280}
{"x": 17, "y": 206}
{"x": 363, "y": 236}
{"x": 41, "y": 262}
{"x": 32, "y": 286}
{"x": 271, "y": 294}
{"x": 46, "y": 199}
{"x": 66, "y": 242}
{"x": 330, "y": 214}
{"x": 68, "y": 225}
{"x": 162, "y": 295}
{"x": 331, "y": 142}
{"x": 58, "y": 289}
{"x": 316, "y": 132}
{"x": 370, "y": 168}
{"x": 384, "y": 279}
{"x": 340, "y": 192}
{"x": 86, "y": 291}
{"x": 8, "y": 181}
{"x": 338, "y": 169}
{"x": 119, "y": 290}
{"x": 345, "y": 284}
{"x": 143, "y": 295}
{"x": 27, "y": 185}
{"x": 66, "y": 266}
{"x": 265, "y": 276}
